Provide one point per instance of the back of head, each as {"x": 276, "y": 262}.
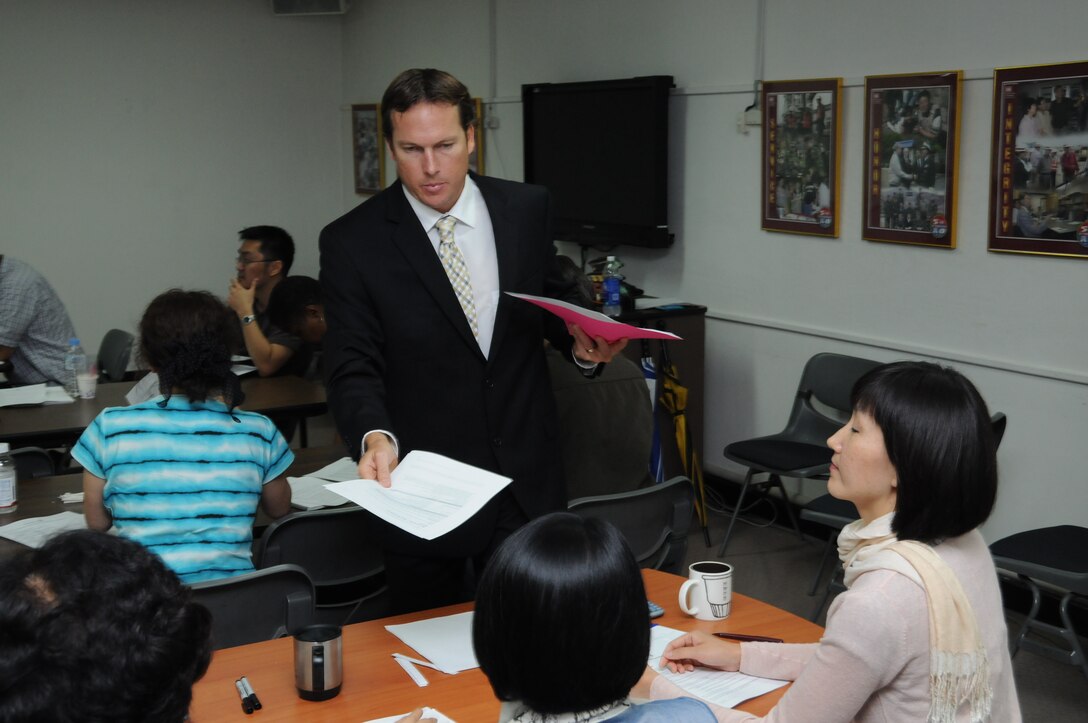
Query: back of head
{"x": 939, "y": 437}
{"x": 425, "y": 85}
{"x": 276, "y": 244}
{"x": 289, "y": 299}
{"x": 561, "y": 621}
{"x": 187, "y": 337}
{"x": 93, "y": 627}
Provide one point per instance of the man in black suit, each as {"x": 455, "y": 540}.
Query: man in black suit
{"x": 412, "y": 364}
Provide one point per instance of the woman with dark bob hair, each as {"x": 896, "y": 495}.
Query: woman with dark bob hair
{"x": 183, "y": 472}
{"x": 920, "y": 633}
{"x": 562, "y": 630}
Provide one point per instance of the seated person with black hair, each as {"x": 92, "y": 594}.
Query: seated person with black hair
{"x": 94, "y": 627}
{"x": 264, "y": 260}
{"x": 183, "y": 472}
{"x": 561, "y": 628}
{"x": 297, "y": 307}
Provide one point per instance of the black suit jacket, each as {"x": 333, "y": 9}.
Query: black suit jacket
{"x": 400, "y": 356}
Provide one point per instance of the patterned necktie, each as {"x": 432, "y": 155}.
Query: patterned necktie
{"x": 454, "y": 264}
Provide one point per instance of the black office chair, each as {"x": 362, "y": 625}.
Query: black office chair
{"x": 113, "y": 355}
{"x": 1056, "y": 557}
{"x": 32, "y": 462}
{"x": 837, "y": 514}
{"x": 332, "y": 546}
{"x": 820, "y": 407}
{"x": 654, "y": 520}
{"x": 256, "y": 606}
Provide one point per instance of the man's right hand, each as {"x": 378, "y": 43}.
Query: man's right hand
{"x": 379, "y": 460}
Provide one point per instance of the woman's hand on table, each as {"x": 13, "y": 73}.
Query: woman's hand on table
{"x": 700, "y": 649}
{"x": 416, "y": 716}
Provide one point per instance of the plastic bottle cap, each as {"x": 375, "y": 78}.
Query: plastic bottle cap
{"x": 611, "y": 258}
{"x": 4, "y": 447}
{"x": 73, "y": 341}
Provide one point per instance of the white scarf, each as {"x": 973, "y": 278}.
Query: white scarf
{"x": 958, "y": 668}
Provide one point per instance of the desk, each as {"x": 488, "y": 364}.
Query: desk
{"x": 38, "y": 497}
{"x": 55, "y": 425}
{"x": 375, "y": 686}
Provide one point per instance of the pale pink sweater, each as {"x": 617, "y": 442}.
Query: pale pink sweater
{"x": 873, "y": 662}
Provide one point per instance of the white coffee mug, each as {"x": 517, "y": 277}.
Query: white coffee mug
{"x": 710, "y": 583}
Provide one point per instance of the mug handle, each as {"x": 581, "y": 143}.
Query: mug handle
{"x": 319, "y": 669}
{"x": 685, "y": 590}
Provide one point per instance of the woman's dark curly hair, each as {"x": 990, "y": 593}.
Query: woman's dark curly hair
{"x": 95, "y": 628}
{"x": 187, "y": 337}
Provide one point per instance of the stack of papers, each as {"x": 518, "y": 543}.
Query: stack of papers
{"x": 34, "y": 531}
{"x": 430, "y": 494}
{"x": 33, "y": 394}
{"x": 308, "y": 492}
{"x": 445, "y": 641}
{"x": 717, "y": 686}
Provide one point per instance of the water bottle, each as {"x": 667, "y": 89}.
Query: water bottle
{"x": 9, "y": 492}
{"x": 611, "y": 287}
{"x": 75, "y": 363}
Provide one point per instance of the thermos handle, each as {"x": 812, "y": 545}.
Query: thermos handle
{"x": 319, "y": 668}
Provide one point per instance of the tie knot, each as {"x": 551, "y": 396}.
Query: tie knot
{"x": 445, "y": 227}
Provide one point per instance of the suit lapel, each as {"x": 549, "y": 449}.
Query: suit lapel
{"x": 411, "y": 240}
{"x": 506, "y": 253}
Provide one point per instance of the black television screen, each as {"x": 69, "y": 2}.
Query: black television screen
{"x": 601, "y": 148}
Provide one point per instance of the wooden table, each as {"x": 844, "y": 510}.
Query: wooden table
{"x": 375, "y": 686}
{"x": 54, "y": 425}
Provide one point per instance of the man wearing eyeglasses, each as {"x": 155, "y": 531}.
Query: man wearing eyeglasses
{"x": 264, "y": 259}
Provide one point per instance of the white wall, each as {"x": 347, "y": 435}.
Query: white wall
{"x": 1012, "y": 323}
{"x": 138, "y": 136}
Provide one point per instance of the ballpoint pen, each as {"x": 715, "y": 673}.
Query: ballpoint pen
{"x": 748, "y": 638}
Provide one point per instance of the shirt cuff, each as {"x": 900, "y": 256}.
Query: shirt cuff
{"x": 587, "y": 367}
{"x": 392, "y": 437}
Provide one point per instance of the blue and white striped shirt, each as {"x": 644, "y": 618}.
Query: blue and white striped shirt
{"x": 184, "y": 479}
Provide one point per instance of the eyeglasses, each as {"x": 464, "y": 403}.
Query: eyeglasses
{"x": 244, "y": 261}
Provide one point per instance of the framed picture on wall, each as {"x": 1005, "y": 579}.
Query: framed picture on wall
{"x": 801, "y": 133}
{"x": 368, "y": 155}
{"x": 911, "y": 153}
{"x": 476, "y": 159}
{"x": 1039, "y": 166}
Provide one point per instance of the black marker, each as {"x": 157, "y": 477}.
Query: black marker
{"x": 253, "y": 699}
{"x": 246, "y": 705}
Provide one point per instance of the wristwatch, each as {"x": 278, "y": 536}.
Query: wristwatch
{"x": 248, "y": 319}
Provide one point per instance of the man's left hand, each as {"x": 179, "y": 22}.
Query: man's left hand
{"x": 597, "y": 351}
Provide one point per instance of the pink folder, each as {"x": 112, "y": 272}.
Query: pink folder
{"x": 594, "y": 323}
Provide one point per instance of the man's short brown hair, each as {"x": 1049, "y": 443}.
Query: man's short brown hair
{"x": 425, "y": 85}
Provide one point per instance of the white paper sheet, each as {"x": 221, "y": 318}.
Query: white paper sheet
{"x": 717, "y": 686}
{"x": 427, "y": 713}
{"x": 445, "y": 641}
{"x": 34, "y": 531}
{"x": 309, "y": 493}
{"x": 146, "y": 388}
{"x": 341, "y": 470}
{"x": 430, "y": 494}
{"x": 32, "y": 394}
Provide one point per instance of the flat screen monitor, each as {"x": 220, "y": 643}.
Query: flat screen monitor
{"x": 601, "y": 148}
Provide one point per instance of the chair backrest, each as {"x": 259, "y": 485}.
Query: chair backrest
{"x": 335, "y": 549}
{"x": 822, "y": 403}
{"x": 32, "y": 462}
{"x": 114, "y": 354}
{"x": 332, "y": 545}
{"x": 654, "y": 520}
{"x": 257, "y": 606}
